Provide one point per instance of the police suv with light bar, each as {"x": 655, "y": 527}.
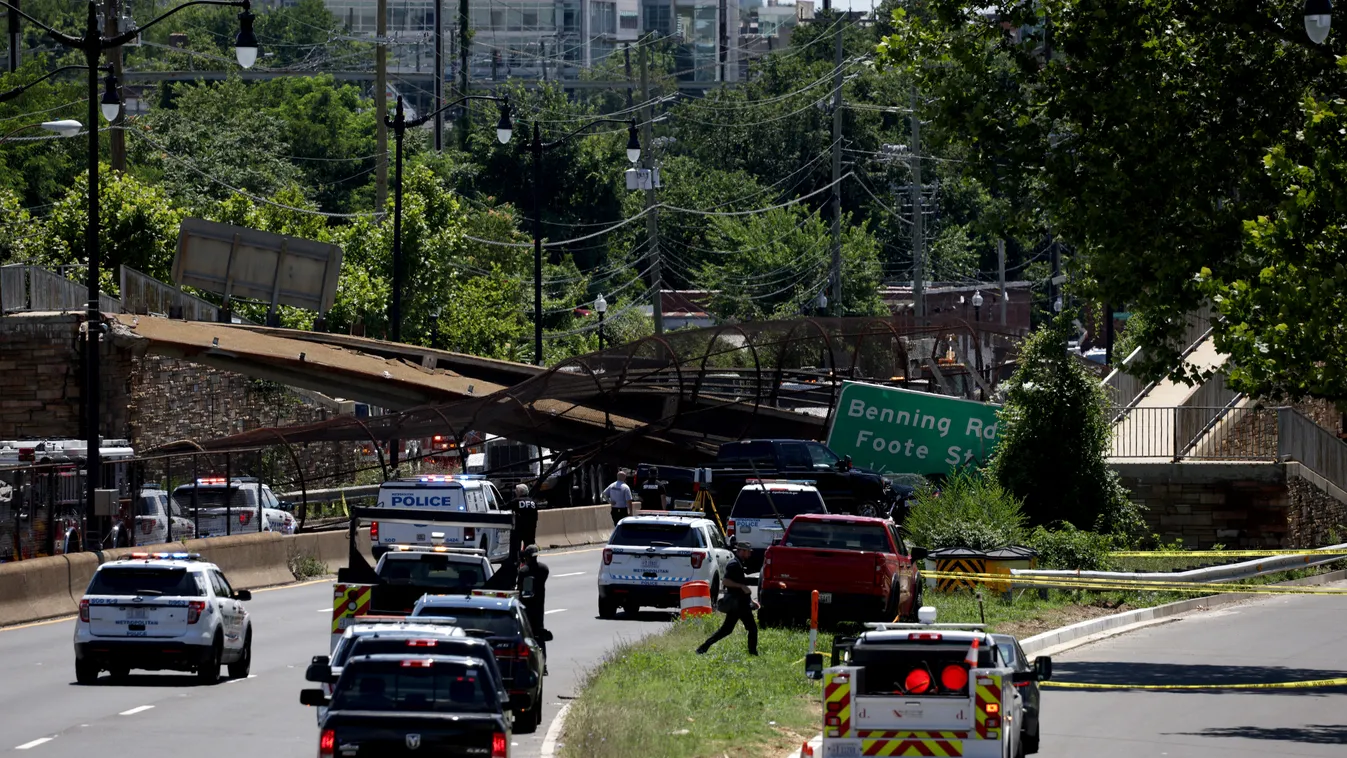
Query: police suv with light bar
{"x": 924, "y": 689}
{"x": 455, "y": 493}
{"x": 651, "y": 556}
{"x": 162, "y": 611}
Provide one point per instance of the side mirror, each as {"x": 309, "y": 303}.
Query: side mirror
{"x": 919, "y": 553}
{"x": 545, "y": 635}
{"x": 846, "y": 463}
{"x": 1043, "y": 667}
{"x": 319, "y": 670}
{"x": 1024, "y": 677}
{"x": 243, "y": 595}
{"x": 813, "y": 666}
{"x": 312, "y": 698}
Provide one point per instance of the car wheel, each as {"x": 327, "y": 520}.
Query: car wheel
{"x": 607, "y": 609}
{"x": 208, "y": 672}
{"x": 916, "y": 603}
{"x": 119, "y": 672}
{"x": 239, "y": 669}
{"x": 86, "y": 672}
{"x": 631, "y": 609}
{"x": 1019, "y": 749}
{"x": 1030, "y": 744}
{"x": 869, "y": 510}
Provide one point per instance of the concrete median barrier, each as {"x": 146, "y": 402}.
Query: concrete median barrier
{"x": 35, "y": 589}
{"x": 551, "y": 529}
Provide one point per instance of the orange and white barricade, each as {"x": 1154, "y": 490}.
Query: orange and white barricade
{"x": 695, "y": 599}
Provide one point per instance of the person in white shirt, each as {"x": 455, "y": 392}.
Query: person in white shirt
{"x": 618, "y": 495}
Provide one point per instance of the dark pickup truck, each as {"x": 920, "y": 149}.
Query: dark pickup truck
{"x": 845, "y": 488}
{"x": 399, "y": 705}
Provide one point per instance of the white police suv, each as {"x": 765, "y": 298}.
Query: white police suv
{"x": 650, "y": 557}
{"x": 160, "y": 611}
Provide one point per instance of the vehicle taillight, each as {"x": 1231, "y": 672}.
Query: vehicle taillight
{"x": 84, "y": 611}
{"x": 607, "y": 556}
{"x": 993, "y": 720}
{"x": 729, "y": 528}
{"x": 194, "y": 609}
{"x": 245, "y": 517}
{"x": 420, "y": 643}
{"x": 469, "y": 533}
{"x": 146, "y": 525}
{"x": 697, "y": 559}
{"x": 500, "y": 747}
{"x": 374, "y": 531}
{"x": 522, "y": 651}
{"x": 327, "y": 744}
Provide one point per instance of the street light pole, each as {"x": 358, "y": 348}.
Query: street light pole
{"x": 92, "y": 44}
{"x": 399, "y": 124}
{"x": 536, "y": 148}
{"x": 601, "y": 305}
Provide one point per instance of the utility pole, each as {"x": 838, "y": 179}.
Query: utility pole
{"x": 381, "y": 109}
{"x": 837, "y": 174}
{"x": 720, "y": 41}
{"x": 14, "y": 35}
{"x": 542, "y": 60}
{"x": 918, "y": 229}
{"x": 626, "y": 54}
{"x": 1001, "y": 266}
{"x": 651, "y": 217}
{"x": 116, "y": 137}
{"x": 464, "y": 46}
{"x": 439, "y": 75}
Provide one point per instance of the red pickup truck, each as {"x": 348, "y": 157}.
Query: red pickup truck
{"x": 860, "y": 566}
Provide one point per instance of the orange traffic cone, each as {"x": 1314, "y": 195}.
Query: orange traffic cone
{"x": 972, "y": 658}
{"x": 806, "y": 751}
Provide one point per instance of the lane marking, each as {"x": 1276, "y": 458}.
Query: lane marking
{"x": 549, "y": 746}
{"x": 329, "y": 580}
{"x": 34, "y": 743}
{"x": 231, "y": 681}
{"x": 554, "y": 610}
{"x": 573, "y": 573}
{"x": 137, "y": 709}
{"x": 324, "y": 610}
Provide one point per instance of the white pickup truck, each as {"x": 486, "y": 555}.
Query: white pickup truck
{"x": 925, "y": 689}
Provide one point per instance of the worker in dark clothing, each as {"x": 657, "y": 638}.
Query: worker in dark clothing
{"x": 525, "y": 516}
{"x": 534, "y": 597}
{"x": 654, "y": 495}
{"x": 738, "y": 601}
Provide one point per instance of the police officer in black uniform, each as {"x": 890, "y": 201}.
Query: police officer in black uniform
{"x": 525, "y": 516}
{"x": 654, "y": 495}
{"x": 532, "y": 568}
{"x": 739, "y": 598}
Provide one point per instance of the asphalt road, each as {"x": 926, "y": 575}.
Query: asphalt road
{"x": 152, "y": 715}
{"x": 1276, "y": 639}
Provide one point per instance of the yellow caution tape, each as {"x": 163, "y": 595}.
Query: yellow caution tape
{"x": 1085, "y": 583}
{"x": 1310, "y": 554}
{"x": 1308, "y": 684}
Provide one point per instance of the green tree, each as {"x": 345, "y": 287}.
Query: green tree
{"x": 1056, "y": 138}
{"x": 38, "y": 165}
{"x": 1282, "y": 316}
{"x": 1055, "y": 439}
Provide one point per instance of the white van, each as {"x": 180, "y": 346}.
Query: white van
{"x": 465, "y": 493}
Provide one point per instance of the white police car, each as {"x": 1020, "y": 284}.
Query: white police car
{"x": 763, "y": 510}
{"x": 651, "y": 556}
{"x": 161, "y": 611}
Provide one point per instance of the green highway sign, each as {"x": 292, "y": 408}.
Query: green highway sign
{"x": 897, "y": 431}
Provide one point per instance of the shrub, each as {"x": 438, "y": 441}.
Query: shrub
{"x": 970, "y": 511}
{"x": 1070, "y": 548}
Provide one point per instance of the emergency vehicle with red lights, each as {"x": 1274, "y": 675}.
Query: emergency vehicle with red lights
{"x": 650, "y": 556}
{"x": 161, "y": 611}
{"x": 924, "y": 689}
{"x": 222, "y": 506}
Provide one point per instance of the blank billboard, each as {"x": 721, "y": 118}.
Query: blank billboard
{"x": 238, "y": 262}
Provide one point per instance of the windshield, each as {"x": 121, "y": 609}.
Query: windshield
{"x": 150, "y": 505}
{"x": 175, "y": 582}
{"x": 747, "y": 454}
{"x": 657, "y": 535}
{"x": 838, "y": 536}
{"x": 436, "y": 571}
{"x": 753, "y": 502}
{"x": 440, "y": 687}
{"x": 214, "y": 497}
{"x": 399, "y": 645}
{"x": 499, "y": 623}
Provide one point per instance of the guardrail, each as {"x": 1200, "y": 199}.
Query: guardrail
{"x": 1218, "y": 433}
{"x": 1230, "y": 572}
{"x": 1311, "y": 445}
{"x": 34, "y": 288}
{"x": 142, "y": 293}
